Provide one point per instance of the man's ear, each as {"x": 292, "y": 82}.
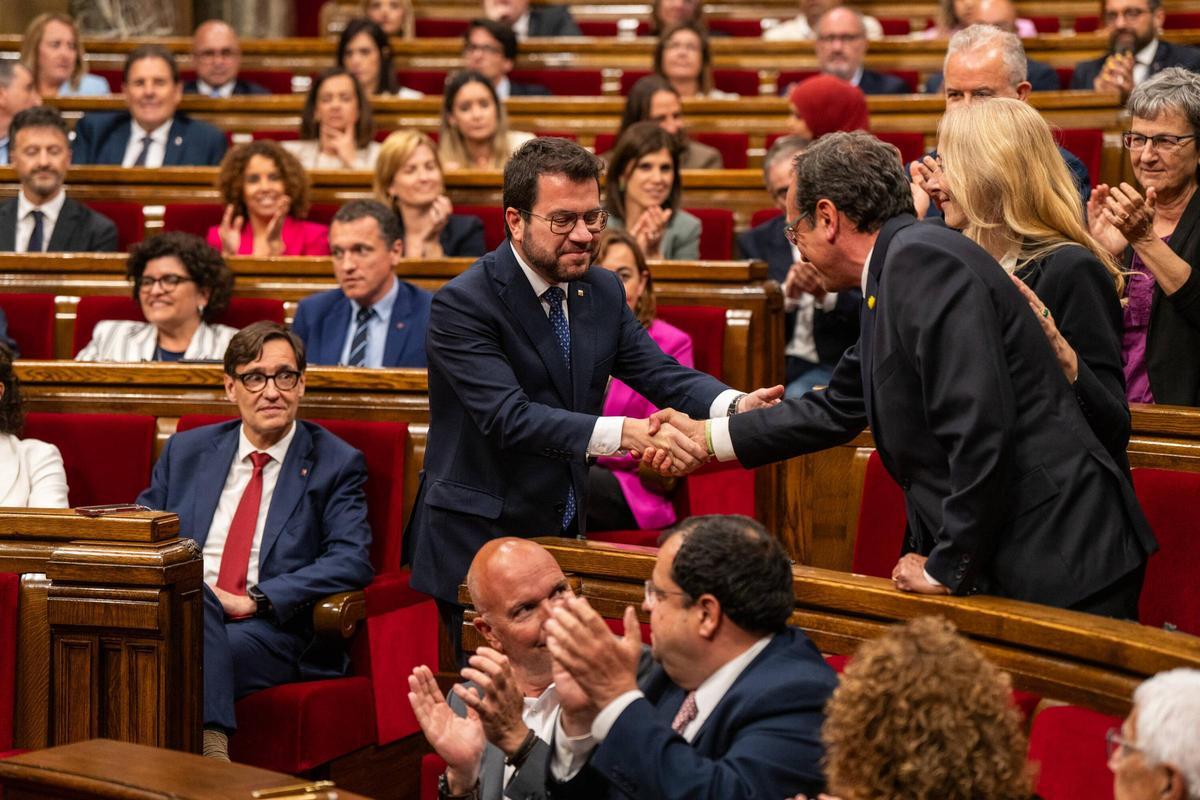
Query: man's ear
{"x": 825, "y": 216}
{"x": 516, "y": 224}
{"x": 710, "y": 616}
{"x": 485, "y": 630}
{"x": 229, "y": 382}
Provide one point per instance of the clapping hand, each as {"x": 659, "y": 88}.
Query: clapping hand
{"x": 274, "y": 240}
{"x": 230, "y": 231}
{"x": 458, "y": 740}
{"x": 649, "y": 229}
{"x": 502, "y": 704}
{"x": 604, "y": 666}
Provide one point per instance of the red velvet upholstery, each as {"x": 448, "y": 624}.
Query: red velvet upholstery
{"x": 910, "y": 143}
{"x": 433, "y": 28}
{"x": 763, "y": 215}
{"x": 789, "y": 76}
{"x": 647, "y": 538}
{"x": 837, "y": 662}
{"x": 604, "y": 142}
{"x": 128, "y": 217}
{"x": 895, "y": 26}
{"x": 276, "y": 136}
{"x": 629, "y": 77}
{"x": 9, "y": 614}
{"x": 1087, "y": 24}
{"x": 1048, "y": 24}
{"x": 194, "y": 218}
{"x": 432, "y": 765}
{"x": 747, "y": 28}
{"x": 1181, "y": 20}
{"x": 881, "y": 523}
{"x": 743, "y": 82}
{"x": 1067, "y": 744}
{"x": 322, "y": 212}
{"x": 1064, "y": 76}
{"x": 97, "y": 308}
{"x": 706, "y": 326}
{"x": 277, "y": 81}
{"x": 107, "y": 456}
{"x": 604, "y": 28}
{"x": 493, "y": 223}
{"x": 30, "y": 323}
{"x": 115, "y": 78}
{"x": 427, "y": 81}
{"x": 1086, "y": 143}
{"x": 563, "y": 82}
{"x": 719, "y": 487}
{"x": 733, "y": 147}
{"x": 1171, "y": 593}
{"x": 716, "y": 233}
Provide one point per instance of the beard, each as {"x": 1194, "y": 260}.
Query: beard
{"x": 41, "y": 186}
{"x": 1128, "y": 41}
{"x": 546, "y": 261}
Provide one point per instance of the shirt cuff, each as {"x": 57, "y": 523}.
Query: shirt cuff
{"x": 829, "y": 302}
{"x": 570, "y": 752}
{"x": 790, "y": 304}
{"x": 606, "y": 436}
{"x": 722, "y": 442}
{"x": 931, "y": 579}
{"x": 607, "y": 717}
{"x": 720, "y": 406}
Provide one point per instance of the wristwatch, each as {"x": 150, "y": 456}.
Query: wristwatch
{"x": 733, "y": 406}
{"x": 444, "y": 790}
{"x": 263, "y": 602}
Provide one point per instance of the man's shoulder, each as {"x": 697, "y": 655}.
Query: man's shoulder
{"x": 194, "y": 129}
{"x": 321, "y": 301}
{"x": 94, "y": 218}
{"x": 192, "y": 440}
{"x": 102, "y": 121}
{"x": 791, "y": 659}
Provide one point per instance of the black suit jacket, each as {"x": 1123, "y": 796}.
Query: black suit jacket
{"x": 78, "y": 230}
{"x": 1007, "y": 489}
{"x": 101, "y": 138}
{"x": 834, "y": 331}
{"x": 552, "y": 21}
{"x": 873, "y": 82}
{"x": 1041, "y": 76}
{"x": 527, "y": 90}
{"x": 509, "y": 424}
{"x": 462, "y": 236}
{"x": 1167, "y": 55}
{"x": 239, "y": 87}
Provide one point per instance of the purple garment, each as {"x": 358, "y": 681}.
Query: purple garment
{"x": 1139, "y": 294}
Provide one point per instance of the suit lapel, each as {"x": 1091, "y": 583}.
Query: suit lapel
{"x": 333, "y": 332}
{"x": 208, "y": 493}
{"x": 398, "y": 330}
{"x": 8, "y": 226}
{"x": 114, "y": 146}
{"x": 583, "y": 339}
{"x": 870, "y": 308}
{"x": 173, "y": 155}
{"x": 289, "y": 488}
{"x": 68, "y": 223}
{"x": 517, "y": 294}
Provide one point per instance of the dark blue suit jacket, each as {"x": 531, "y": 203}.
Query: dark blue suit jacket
{"x": 316, "y": 541}
{"x": 240, "y": 87}
{"x": 873, "y": 82}
{"x": 1167, "y": 55}
{"x": 323, "y": 321}
{"x": 552, "y": 21}
{"x": 509, "y": 426}
{"x": 102, "y": 137}
{"x": 462, "y": 236}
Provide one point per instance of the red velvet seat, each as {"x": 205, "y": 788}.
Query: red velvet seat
{"x": 276, "y": 81}
{"x": 629, "y": 77}
{"x": 427, "y": 81}
{"x": 1046, "y": 24}
{"x": 194, "y": 218}
{"x": 1067, "y": 745}
{"x": 604, "y": 142}
{"x": 1087, "y": 23}
{"x": 434, "y": 28}
{"x": 716, "y": 233}
{"x": 733, "y": 147}
{"x": 1087, "y": 144}
{"x": 910, "y": 144}
{"x": 743, "y": 28}
{"x": 9, "y": 614}
{"x": 1181, "y": 20}
{"x": 128, "y": 217}
{"x": 895, "y": 26}
{"x": 30, "y": 323}
{"x": 494, "y": 229}
{"x": 763, "y": 215}
{"x": 706, "y": 326}
{"x": 742, "y": 82}
{"x": 96, "y": 308}
{"x": 1064, "y": 76}
{"x": 881, "y": 522}
{"x": 1171, "y": 593}
{"x": 789, "y": 76}
{"x": 276, "y": 136}
{"x": 107, "y": 456}
{"x": 322, "y": 212}
{"x": 603, "y": 28}
{"x": 563, "y": 82}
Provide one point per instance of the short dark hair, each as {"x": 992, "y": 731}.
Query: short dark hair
{"x": 386, "y": 80}
{"x": 545, "y": 156}
{"x": 311, "y": 129}
{"x": 38, "y": 117}
{"x": 641, "y": 139}
{"x": 734, "y": 559}
{"x": 389, "y": 223}
{"x": 637, "y": 104}
{"x": 11, "y": 415}
{"x": 859, "y": 174}
{"x": 144, "y": 51}
{"x": 8, "y": 70}
{"x": 247, "y": 345}
{"x": 204, "y": 265}
{"x": 498, "y": 31}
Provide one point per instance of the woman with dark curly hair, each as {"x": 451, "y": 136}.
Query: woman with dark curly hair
{"x": 182, "y": 286}
{"x": 920, "y": 714}
{"x": 266, "y": 197}
{"x": 31, "y": 472}
{"x": 336, "y": 127}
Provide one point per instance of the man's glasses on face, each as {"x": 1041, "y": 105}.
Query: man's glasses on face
{"x": 284, "y": 380}
{"x": 565, "y": 221}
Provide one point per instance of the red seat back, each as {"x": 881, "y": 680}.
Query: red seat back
{"x": 763, "y": 215}
{"x": 910, "y": 144}
{"x": 706, "y": 327}
{"x": 745, "y": 28}
{"x": 910, "y": 77}
{"x": 789, "y": 76}
{"x": 604, "y": 142}
{"x": 434, "y": 28}
{"x": 494, "y": 230}
{"x": 733, "y": 147}
{"x": 605, "y": 28}
{"x": 743, "y": 82}
{"x": 275, "y": 136}
{"x": 194, "y": 218}
{"x": 1171, "y": 593}
{"x": 322, "y": 212}
{"x": 10, "y": 583}
{"x": 1064, "y": 76}
{"x": 1181, "y": 20}
{"x": 1087, "y": 24}
{"x": 30, "y": 323}
{"x": 1046, "y": 24}
{"x": 631, "y": 76}
{"x": 716, "y": 235}
{"x": 1067, "y": 745}
{"x": 568, "y": 82}
{"x": 96, "y": 308}
{"x": 107, "y": 456}
{"x": 427, "y": 81}
{"x": 128, "y": 217}
{"x": 895, "y": 26}
{"x": 1087, "y": 144}
{"x": 881, "y": 522}
{"x": 276, "y": 81}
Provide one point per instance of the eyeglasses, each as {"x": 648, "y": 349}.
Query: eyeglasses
{"x": 789, "y": 231}
{"x": 471, "y": 48}
{"x": 1162, "y": 142}
{"x": 1131, "y": 14}
{"x": 690, "y": 46}
{"x": 169, "y": 282}
{"x": 284, "y": 380}
{"x": 565, "y": 222}
{"x": 841, "y": 38}
{"x": 1114, "y": 741}
{"x": 655, "y": 594}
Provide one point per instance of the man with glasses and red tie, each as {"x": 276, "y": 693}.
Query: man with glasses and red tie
{"x": 277, "y": 506}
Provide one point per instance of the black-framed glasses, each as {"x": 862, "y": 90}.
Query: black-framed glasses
{"x": 490, "y": 49}
{"x": 1114, "y": 741}
{"x": 1162, "y": 142}
{"x": 1131, "y": 14}
{"x": 565, "y": 221}
{"x": 169, "y": 282}
{"x": 655, "y": 594}
{"x": 285, "y": 380}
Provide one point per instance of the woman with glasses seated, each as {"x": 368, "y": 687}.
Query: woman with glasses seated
{"x": 182, "y": 285}
{"x": 643, "y": 194}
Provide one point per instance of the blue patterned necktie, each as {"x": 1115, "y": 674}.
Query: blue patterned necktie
{"x": 35, "y": 238}
{"x": 358, "y": 345}
{"x": 554, "y": 296}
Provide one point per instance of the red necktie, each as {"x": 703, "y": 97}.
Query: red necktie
{"x": 687, "y": 713}
{"x": 235, "y": 559}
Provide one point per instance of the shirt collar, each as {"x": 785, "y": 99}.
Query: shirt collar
{"x": 384, "y": 303}
{"x": 866, "y": 269}
{"x": 521, "y": 26}
{"x": 159, "y": 134}
{"x": 715, "y": 686}
{"x": 225, "y": 89}
{"x": 51, "y": 208}
{"x": 1145, "y": 56}
{"x": 539, "y": 284}
{"x": 856, "y": 78}
{"x": 504, "y": 88}
{"x": 276, "y": 451}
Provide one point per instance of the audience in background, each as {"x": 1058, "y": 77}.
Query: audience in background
{"x": 841, "y": 48}
{"x": 490, "y": 48}
{"x": 217, "y": 57}
{"x": 152, "y": 133}
{"x": 653, "y": 98}
{"x": 1002, "y": 14}
{"x": 336, "y": 129}
{"x": 364, "y": 52}
{"x": 804, "y": 25}
{"x": 182, "y": 286}
{"x": 1154, "y": 754}
{"x": 265, "y": 191}
{"x": 31, "y": 471}
{"x": 1135, "y": 51}
{"x": 538, "y": 21}
{"x": 823, "y": 104}
{"x": 396, "y": 17}
{"x": 373, "y": 319}
{"x": 666, "y": 14}
{"x": 474, "y": 133}
{"x": 955, "y": 15}
{"x": 42, "y": 219}
{"x": 53, "y": 51}
{"x": 16, "y": 94}
{"x": 409, "y": 180}
{"x": 683, "y": 58}
{"x": 643, "y": 188}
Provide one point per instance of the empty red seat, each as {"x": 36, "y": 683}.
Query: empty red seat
{"x": 1087, "y": 24}
{"x": 10, "y": 583}
{"x": 30, "y": 323}
{"x": 1046, "y": 24}
{"x": 96, "y": 308}
{"x": 322, "y": 212}
{"x": 910, "y": 144}
{"x": 745, "y": 28}
{"x": 604, "y": 28}
{"x": 563, "y": 82}
{"x": 428, "y": 81}
{"x": 194, "y": 218}
{"x": 128, "y": 217}
{"x": 1171, "y": 593}
{"x": 434, "y": 28}
{"x": 107, "y": 456}
{"x": 1181, "y": 20}
{"x": 733, "y": 147}
{"x": 739, "y": 81}
{"x": 494, "y": 229}
{"x": 1066, "y": 744}
{"x": 716, "y": 235}
{"x": 276, "y": 81}
{"x": 1087, "y": 144}
{"x": 895, "y": 26}
{"x": 881, "y": 522}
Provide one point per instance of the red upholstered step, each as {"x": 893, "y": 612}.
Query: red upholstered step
{"x": 1067, "y": 744}
{"x": 30, "y": 323}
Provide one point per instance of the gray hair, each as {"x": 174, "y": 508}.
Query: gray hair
{"x": 978, "y": 37}
{"x": 859, "y": 174}
{"x": 783, "y": 147}
{"x": 1168, "y": 723}
{"x": 1173, "y": 89}
{"x": 8, "y": 71}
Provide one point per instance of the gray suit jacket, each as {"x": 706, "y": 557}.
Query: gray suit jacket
{"x": 681, "y": 238}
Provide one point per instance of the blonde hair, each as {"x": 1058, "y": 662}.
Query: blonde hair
{"x": 396, "y": 149}
{"x": 452, "y": 147}
{"x": 1006, "y": 173}
{"x": 31, "y": 43}
{"x": 409, "y": 29}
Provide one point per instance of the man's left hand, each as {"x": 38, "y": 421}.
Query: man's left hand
{"x": 761, "y": 398}
{"x": 677, "y": 435}
{"x": 909, "y": 576}
{"x": 502, "y": 703}
{"x": 603, "y": 665}
{"x": 237, "y": 606}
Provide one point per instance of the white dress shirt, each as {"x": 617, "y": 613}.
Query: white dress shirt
{"x": 235, "y": 485}
{"x": 50, "y": 209}
{"x": 225, "y": 90}
{"x": 803, "y": 344}
{"x": 377, "y": 328}
{"x": 521, "y": 26}
{"x": 503, "y": 88}
{"x": 158, "y": 144}
{"x": 1142, "y": 60}
{"x": 542, "y": 715}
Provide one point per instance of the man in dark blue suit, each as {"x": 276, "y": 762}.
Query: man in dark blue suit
{"x": 841, "y": 48}
{"x": 1135, "y": 52}
{"x": 734, "y": 707}
{"x": 217, "y": 57}
{"x": 277, "y": 506}
{"x": 374, "y": 319}
{"x": 490, "y": 48}
{"x": 152, "y": 133}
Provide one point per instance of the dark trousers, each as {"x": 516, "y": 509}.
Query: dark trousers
{"x": 1118, "y": 599}
{"x": 608, "y": 510}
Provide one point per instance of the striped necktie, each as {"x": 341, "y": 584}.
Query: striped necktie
{"x": 358, "y": 345}
{"x": 141, "y": 159}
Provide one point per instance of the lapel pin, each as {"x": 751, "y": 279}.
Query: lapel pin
{"x": 579, "y": 292}
{"x": 871, "y": 302}
{"x": 178, "y": 141}
{"x": 304, "y": 472}
{"x": 399, "y": 326}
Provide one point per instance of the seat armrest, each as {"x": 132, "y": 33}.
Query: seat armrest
{"x": 337, "y": 616}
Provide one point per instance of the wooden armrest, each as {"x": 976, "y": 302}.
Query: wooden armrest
{"x": 338, "y": 615}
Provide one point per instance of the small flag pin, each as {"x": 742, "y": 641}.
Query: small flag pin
{"x": 871, "y": 302}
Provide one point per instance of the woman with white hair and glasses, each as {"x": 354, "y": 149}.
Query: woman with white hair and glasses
{"x": 1155, "y": 752}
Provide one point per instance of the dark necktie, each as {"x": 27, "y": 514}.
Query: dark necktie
{"x": 562, "y": 331}
{"x": 141, "y": 159}
{"x": 39, "y": 232}
{"x": 358, "y": 345}
{"x": 235, "y": 558}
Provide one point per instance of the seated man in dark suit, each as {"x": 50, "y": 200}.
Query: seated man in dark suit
{"x": 734, "y": 707}
{"x": 1134, "y": 50}
{"x": 1003, "y": 14}
{"x": 276, "y": 505}
{"x": 841, "y": 48}
{"x": 152, "y": 133}
{"x": 41, "y": 218}
{"x": 819, "y": 326}
{"x": 490, "y": 48}
{"x": 539, "y": 21}
{"x": 17, "y": 93}
{"x": 217, "y": 56}
{"x": 374, "y": 319}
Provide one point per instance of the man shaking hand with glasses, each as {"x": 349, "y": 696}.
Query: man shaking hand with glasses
{"x": 277, "y": 506}
{"x": 521, "y": 347}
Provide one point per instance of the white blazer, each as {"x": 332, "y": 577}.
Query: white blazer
{"x": 31, "y": 474}
{"x": 125, "y": 340}
{"x": 308, "y": 153}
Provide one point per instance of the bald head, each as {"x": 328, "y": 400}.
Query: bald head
{"x": 216, "y": 53}
{"x": 500, "y": 565}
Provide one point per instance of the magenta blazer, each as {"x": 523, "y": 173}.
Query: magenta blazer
{"x": 652, "y": 511}
{"x": 300, "y": 238}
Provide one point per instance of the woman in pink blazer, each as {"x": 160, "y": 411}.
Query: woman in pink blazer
{"x": 618, "y": 497}
{"x": 266, "y": 193}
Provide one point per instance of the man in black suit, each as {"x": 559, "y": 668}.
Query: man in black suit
{"x": 1007, "y": 489}
{"x": 152, "y": 133}
{"x": 1002, "y": 14}
{"x": 1134, "y": 49}
{"x": 490, "y": 48}
{"x": 41, "y": 218}
{"x": 841, "y": 48}
{"x": 540, "y": 21}
{"x": 217, "y": 56}
{"x": 819, "y": 326}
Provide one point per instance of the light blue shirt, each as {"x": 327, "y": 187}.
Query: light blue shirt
{"x": 89, "y": 86}
{"x": 377, "y": 328}
{"x": 4, "y": 150}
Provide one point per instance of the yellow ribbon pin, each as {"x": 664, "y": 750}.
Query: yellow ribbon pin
{"x": 871, "y": 302}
